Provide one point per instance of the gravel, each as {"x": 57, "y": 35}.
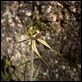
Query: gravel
{"x": 60, "y": 24}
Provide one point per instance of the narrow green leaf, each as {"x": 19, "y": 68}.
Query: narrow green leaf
{"x": 36, "y": 73}
{"x": 44, "y": 43}
{"x": 36, "y": 51}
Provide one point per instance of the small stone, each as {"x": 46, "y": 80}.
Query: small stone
{"x": 53, "y": 17}
{"x": 56, "y": 61}
{"x": 59, "y": 4}
{"x": 73, "y": 9}
{"x": 21, "y": 5}
{"x": 29, "y": 42}
{"x": 45, "y": 73}
{"x": 56, "y": 70}
{"x": 8, "y": 39}
{"x": 16, "y": 18}
{"x": 63, "y": 67}
{"x": 3, "y": 35}
{"x": 12, "y": 24}
{"x": 9, "y": 51}
{"x": 74, "y": 69}
{"x": 3, "y": 20}
{"x": 10, "y": 20}
{"x": 43, "y": 7}
{"x": 15, "y": 32}
{"x": 23, "y": 37}
{"x": 79, "y": 65}
{"x": 28, "y": 13}
{"x": 56, "y": 76}
{"x": 64, "y": 37}
{"x": 38, "y": 3}
{"x": 48, "y": 38}
{"x": 19, "y": 25}
{"x": 47, "y": 34}
{"x": 49, "y": 9}
{"x": 22, "y": 45}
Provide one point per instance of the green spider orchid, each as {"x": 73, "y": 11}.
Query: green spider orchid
{"x": 35, "y": 35}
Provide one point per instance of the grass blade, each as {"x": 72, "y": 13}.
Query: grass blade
{"x": 37, "y": 72}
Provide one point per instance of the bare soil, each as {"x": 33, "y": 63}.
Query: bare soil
{"x": 60, "y": 24}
